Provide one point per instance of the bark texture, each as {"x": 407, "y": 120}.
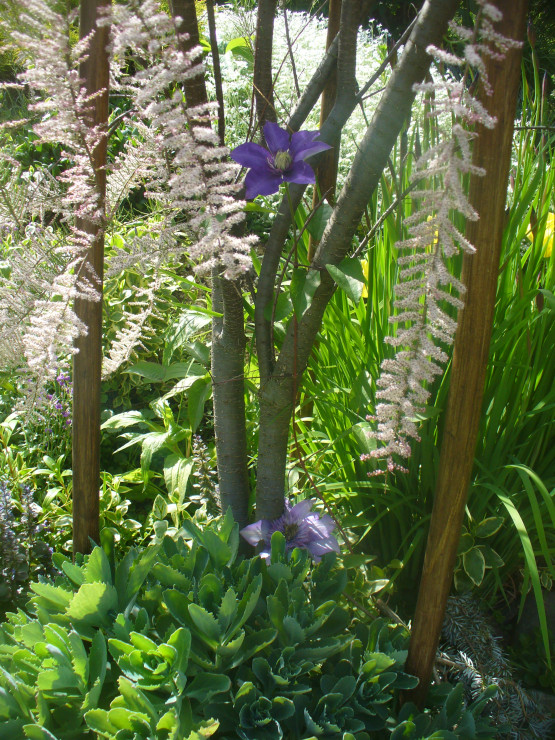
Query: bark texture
{"x": 195, "y": 87}
{"x": 276, "y": 396}
{"x": 87, "y": 362}
{"x": 228, "y": 387}
{"x": 217, "y": 69}
{"x": 492, "y": 150}
{"x": 262, "y": 75}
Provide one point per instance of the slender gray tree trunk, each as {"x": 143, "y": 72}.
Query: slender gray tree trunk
{"x": 262, "y": 75}
{"x": 228, "y": 388}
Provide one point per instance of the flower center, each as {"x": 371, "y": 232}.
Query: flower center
{"x": 290, "y": 530}
{"x": 282, "y": 161}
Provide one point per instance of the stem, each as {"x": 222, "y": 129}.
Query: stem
{"x": 217, "y": 69}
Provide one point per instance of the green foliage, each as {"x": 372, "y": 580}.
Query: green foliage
{"x": 186, "y": 638}
{"x": 24, "y": 554}
{"x": 530, "y": 663}
{"x": 514, "y": 475}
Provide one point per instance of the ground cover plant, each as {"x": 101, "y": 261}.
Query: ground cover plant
{"x": 260, "y": 355}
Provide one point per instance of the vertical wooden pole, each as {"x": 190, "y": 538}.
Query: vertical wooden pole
{"x": 87, "y": 362}
{"x": 492, "y": 150}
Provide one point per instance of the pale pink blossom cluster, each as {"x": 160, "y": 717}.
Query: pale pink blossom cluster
{"x": 37, "y": 322}
{"x": 174, "y": 156}
{"x": 193, "y": 179}
{"x": 426, "y": 285}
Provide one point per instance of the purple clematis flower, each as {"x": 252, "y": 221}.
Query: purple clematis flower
{"x": 282, "y": 161}
{"x": 301, "y": 528}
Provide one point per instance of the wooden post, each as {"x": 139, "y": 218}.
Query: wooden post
{"x": 492, "y": 150}
{"x": 87, "y": 362}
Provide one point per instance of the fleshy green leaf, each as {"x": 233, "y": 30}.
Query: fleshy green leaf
{"x": 474, "y": 565}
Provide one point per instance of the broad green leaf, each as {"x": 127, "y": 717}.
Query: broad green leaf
{"x": 181, "y": 641}
{"x": 97, "y": 721}
{"x": 197, "y": 396}
{"x": 57, "y": 679}
{"x": 139, "y": 571}
{"x": 98, "y": 659}
{"x": 349, "y": 276}
{"x": 91, "y": 604}
{"x": 74, "y": 572}
{"x": 159, "y": 507}
{"x": 284, "y": 308}
{"x": 126, "y": 719}
{"x": 184, "y": 385}
{"x": 184, "y": 328}
{"x": 80, "y": 659}
{"x": 8, "y": 705}
{"x": 466, "y": 543}
{"x": 474, "y": 565}
{"x": 241, "y": 47}
{"x": 156, "y": 373}
{"x": 178, "y": 605}
{"x": 220, "y": 552}
{"x": 176, "y": 475}
{"x": 489, "y": 526}
{"x": 133, "y": 698}
{"x": 318, "y": 222}
{"x": 228, "y": 609}
{"x": 52, "y": 595}
{"x": 206, "y": 624}
{"x": 126, "y": 419}
{"x": 204, "y": 686}
{"x": 303, "y": 286}
{"x": 97, "y": 568}
{"x": 35, "y": 732}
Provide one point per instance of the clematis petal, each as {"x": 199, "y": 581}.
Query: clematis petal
{"x": 300, "y": 173}
{"x": 261, "y": 182}
{"x": 317, "y": 548}
{"x": 320, "y": 526}
{"x": 303, "y": 144}
{"x": 277, "y": 138}
{"x": 255, "y": 533}
{"x": 250, "y": 155}
{"x": 301, "y": 510}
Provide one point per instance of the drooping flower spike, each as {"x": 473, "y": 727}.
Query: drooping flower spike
{"x": 282, "y": 161}
{"x": 300, "y": 526}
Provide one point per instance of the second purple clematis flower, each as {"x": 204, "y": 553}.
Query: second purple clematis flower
{"x": 282, "y": 161}
{"x": 300, "y": 526}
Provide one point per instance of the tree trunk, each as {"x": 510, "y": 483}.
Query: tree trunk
{"x": 228, "y": 386}
{"x": 87, "y": 362}
{"x": 371, "y": 158}
{"x": 195, "y": 87}
{"x": 262, "y": 75}
{"x": 492, "y": 150}
{"x": 217, "y": 70}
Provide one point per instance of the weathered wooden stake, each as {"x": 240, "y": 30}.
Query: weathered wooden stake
{"x": 87, "y": 362}
{"x": 492, "y": 150}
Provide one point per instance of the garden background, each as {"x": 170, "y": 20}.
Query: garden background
{"x": 171, "y": 627}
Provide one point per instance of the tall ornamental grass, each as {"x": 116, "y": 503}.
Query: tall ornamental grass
{"x": 515, "y": 460}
